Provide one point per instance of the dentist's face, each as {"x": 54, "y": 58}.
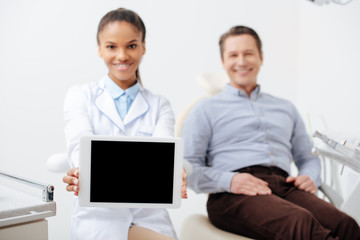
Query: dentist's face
{"x": 242, "y": 61}
{"x": 121, "y": 47}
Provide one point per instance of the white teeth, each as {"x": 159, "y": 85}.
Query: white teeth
{"x": 122, "y": 66}
{"x": 241, "y": 70}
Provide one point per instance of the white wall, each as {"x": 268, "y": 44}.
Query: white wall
{"x": 47, "y": 46}
{"x": 329, "y": 73}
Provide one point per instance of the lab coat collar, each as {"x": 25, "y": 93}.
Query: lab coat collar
{"x": 138, "y": 108}
{"x": 105, "y": 103}
{"x": 116, "y": 91}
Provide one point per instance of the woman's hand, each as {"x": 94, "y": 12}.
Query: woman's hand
{"x": 184, "y": 185}
{"x": 72, "y": 180}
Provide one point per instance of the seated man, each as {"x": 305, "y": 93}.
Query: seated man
{"x": 241, "y": 143}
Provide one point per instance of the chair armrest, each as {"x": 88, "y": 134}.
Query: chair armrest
{"x": 332, "y": 195}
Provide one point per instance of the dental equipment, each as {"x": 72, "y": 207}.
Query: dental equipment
{"x": 47, "y": 190}
{"x": 350, "y": 153}
{"x": 340, "y": 2}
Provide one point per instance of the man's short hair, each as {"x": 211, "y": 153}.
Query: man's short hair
{"x": 240, "y": 30}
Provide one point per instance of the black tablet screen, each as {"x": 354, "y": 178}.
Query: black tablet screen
{"x": 132, "y": 172}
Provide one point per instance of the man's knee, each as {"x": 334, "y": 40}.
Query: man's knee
{"x": 346, "y": 227}
{"x": 301, "y": 219}
{"x": 301, "y": 224}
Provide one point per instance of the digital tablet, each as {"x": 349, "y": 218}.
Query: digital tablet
{"x": 130, "y": 172}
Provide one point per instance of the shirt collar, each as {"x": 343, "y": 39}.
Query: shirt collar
{"x": 240, "y": 92}
{"x": 116, "y": 91}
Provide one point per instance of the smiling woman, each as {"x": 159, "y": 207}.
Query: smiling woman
{"x": 122, "y": 44}
{"x": 117, "y": 105}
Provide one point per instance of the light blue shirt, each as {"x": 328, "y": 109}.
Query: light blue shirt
{"x": 123, "y": 98}
{"x": 230, "y": 131}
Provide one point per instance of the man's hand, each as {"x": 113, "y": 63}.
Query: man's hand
{"x": 247, "y": 184}
{"x": 303, "y": 182}
{"x": 72, "y": 179}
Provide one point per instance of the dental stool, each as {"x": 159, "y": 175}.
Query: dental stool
{"x": 198, "y": 226}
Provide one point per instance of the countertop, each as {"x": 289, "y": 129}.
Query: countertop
{"x": 17, "y": 206}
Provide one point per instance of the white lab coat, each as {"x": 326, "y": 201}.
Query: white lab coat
{"x": 90, "y": 109}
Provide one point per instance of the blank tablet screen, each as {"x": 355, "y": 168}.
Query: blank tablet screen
{"x": 132, "y": 172}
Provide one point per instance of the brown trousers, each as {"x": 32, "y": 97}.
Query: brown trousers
{"x": 287, "y": 214}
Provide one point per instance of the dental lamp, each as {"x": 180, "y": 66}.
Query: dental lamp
{"x": 340, "y": 2}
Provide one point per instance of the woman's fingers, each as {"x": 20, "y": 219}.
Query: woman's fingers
{"x": 184, "y": 185}
{"x": 72, "y": 180}
{"x": 73, "y": 172}
{"x": 72, "y": 188}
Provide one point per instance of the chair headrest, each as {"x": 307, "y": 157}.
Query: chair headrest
{"x": 212, "y": 83}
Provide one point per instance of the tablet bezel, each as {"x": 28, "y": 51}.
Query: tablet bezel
{"x": 85, "y": 170}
